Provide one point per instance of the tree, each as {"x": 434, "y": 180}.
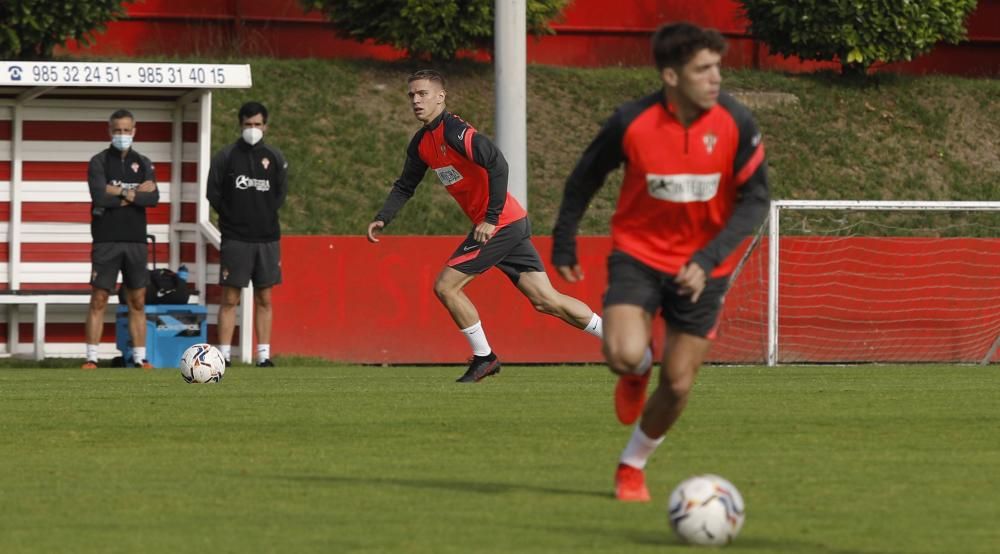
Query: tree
{"x": 30, "y": 29}
{"x": 857, "y": 33}
{"x": 427, "y": 28}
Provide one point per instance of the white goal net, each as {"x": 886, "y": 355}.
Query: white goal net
{"x": 867, "y": 281}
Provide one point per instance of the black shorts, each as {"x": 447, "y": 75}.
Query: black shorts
{"x": 633, "y": 282}
{"x": 239, "y": 262}
{"x": 108, "y": 258}
{"x": 510, "y": 250}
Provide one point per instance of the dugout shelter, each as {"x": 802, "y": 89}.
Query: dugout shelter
{"x": 53, "y": 119}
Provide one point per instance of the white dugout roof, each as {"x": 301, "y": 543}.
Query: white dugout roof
{"x": 53, "y": 118}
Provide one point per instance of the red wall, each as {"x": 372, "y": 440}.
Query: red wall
{"x": 591, "y": 33}
{"x": 348, "y": 300}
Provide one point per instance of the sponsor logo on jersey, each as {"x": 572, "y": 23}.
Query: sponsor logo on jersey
{"x": 710, "y": 140}
{"x": 448, "y": 175}
{"x": 243, "y": 182}
{"x": 135, "y": 167}
{"x": 684, "y": 187}
{"x": 461, "y": 135}
{"x": 125, "y": 186}
{"x": 265, "y": 162}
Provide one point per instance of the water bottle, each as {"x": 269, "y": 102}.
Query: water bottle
{"x": 182, "y": 273}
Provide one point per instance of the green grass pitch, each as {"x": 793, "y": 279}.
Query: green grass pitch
{"x": 333, "y": 458}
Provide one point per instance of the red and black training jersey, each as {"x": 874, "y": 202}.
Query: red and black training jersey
{"x": 470, "y": 167}
{"x": 689, "y": 194}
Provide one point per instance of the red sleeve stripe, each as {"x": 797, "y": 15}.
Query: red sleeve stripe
{"x": 751, "y": 166}
{"x": 468, "y": 142}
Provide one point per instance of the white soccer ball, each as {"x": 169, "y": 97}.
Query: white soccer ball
{"x": 706, "y": 510}
{"x": 203, "y": 363}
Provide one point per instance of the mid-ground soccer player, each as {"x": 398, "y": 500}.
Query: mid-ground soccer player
{"x": 695, "y": 186}
{"x": 473, "y": 170}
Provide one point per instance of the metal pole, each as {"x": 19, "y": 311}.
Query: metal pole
{"x": 772, "y": 285}
{"x": 176, "y": 187}
{"x": 991, "y": 352}
{"x": 510, "y": 72}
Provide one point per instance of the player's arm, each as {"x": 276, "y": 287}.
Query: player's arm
{"x": 216, "y": 179}
{"x": 414, "y": 170}
{"x": 753, "y": 197}
{"x": 480, "y": 149}
{"x": 280, "y": 180}
{"x": 147, "y": 195}
{"x": 600, "y": 158}
{"x": 102, "y": 193}
{"x": 487, "y": 155}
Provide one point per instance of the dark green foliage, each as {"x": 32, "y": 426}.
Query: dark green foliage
{"x": 857, "y": 33}
{"x": 30, "y": 29}
{"x": 433, "y": 28}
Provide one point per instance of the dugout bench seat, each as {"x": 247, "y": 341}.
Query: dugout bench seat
{"x": 40, "y": 298}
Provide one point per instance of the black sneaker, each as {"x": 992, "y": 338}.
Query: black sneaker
{"x": 480, "y": 368}
{"x": 266, "y": 363}
{"x": 229, "y": 363}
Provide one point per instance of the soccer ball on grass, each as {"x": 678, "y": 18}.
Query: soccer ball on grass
{"x": 706, "y": 510}
{"x": 202, "y": 363}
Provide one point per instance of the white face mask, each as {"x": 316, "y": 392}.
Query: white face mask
{"x": 252, "y": 135}
{"x": 121, "y": 142}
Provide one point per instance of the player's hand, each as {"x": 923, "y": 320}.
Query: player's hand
{"x": 374, "y": 230}
{"x": 484, "y": 232}
{"x": 147, "y": 186}
{"x": 571, "y": 273}
{"x": 691, "y": 279}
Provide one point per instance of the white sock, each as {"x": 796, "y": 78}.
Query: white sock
{"x": 91, "y": 352}
{"x": 595, "y": 327}
{"x": 227, "y": 351}
{"x": 139, "y": 354}
{"x": 477, "y": 339}
{"x": 263, "y": 352}
{"x": 639, "y": 449}
{"x": 646, "y": 363}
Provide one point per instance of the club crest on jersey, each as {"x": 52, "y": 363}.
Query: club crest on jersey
{"x": 265, "y": 162}
{"x": 710, "y": 140}
{"x": 448, "y": 175}
{"x": 135, "y": 167}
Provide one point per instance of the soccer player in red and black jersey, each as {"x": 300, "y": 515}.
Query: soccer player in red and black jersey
{"x": 695, "y": 186}
{"x": 473, "y": 170}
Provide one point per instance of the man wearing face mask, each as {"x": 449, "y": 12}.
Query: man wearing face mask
{"x": 122, "y": 185}
{"x": 247, "y": 184}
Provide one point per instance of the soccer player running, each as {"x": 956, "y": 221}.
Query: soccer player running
{"x": 474, "y": 171}
{"x": 695, "y": 186}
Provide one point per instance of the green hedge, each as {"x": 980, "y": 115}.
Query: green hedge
{"x": 857, "y": 33}
{"x": 30, "y": 29}
{"x": 427, "y": 28}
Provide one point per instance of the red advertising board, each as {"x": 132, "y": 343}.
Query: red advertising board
{"x": 912, "y": 299}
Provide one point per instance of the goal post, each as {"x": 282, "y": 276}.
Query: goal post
{"x": 868, "y": 281}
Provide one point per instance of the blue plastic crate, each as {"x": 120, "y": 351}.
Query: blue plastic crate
{"x": 170, "y": 330}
